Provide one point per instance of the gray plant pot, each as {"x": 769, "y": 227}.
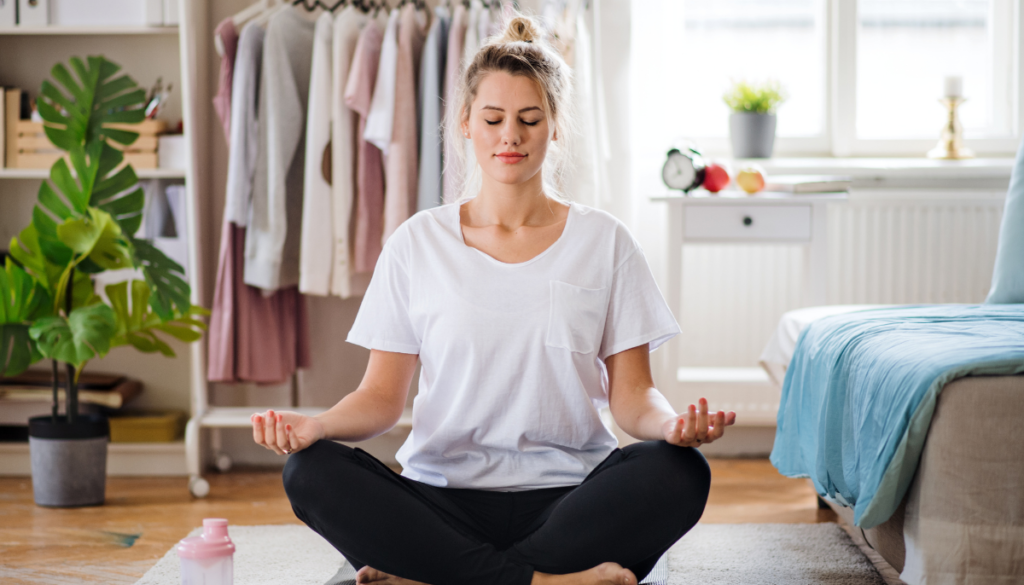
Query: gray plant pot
{"x": 69, "y": 462}
{"x": 753, "y": 135}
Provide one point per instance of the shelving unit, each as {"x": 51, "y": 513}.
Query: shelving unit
{"x": 44, "y": 173}
{"x": 89, "y": 30}
{"x": 144, "y": 52}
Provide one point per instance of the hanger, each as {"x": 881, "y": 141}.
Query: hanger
{"x": 248, "y": 13}
{"x": 311, "y": 5}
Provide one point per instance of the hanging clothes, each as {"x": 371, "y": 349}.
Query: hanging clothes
{"x": 469, "y": 49}
{"x": 589, "y": 182}
{"x": 316, "y": 244}
{"x": 222, "y": 101}
{"x": 347, "y": 27}
{"x": 252, "y": 338}
{"x": 401, "y": 162}
{"x": 380, "y": 120}
{"x": 483, "y": 25}
{"x": 272, "y": 242}
{"x": 369, "y": 216}
{"x": 453, "y": 169}
{"x": 471, "y": 44}
{"x": 431, "y": 98}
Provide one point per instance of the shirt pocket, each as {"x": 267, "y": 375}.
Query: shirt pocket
{"x": 576, "y": 318}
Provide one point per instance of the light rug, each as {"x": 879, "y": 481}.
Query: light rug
{"x": 724, "y": 554}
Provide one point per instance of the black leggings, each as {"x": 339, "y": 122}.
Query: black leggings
{"x": 631, "y": 508}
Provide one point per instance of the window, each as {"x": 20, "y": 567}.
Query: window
{"x": 931, "y": 39}
{"x": 863, "y": 76}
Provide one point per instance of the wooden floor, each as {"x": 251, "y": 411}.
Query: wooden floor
{"x": 143, "y": 517}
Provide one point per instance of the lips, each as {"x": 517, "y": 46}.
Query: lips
{"x": 510, "y": 157}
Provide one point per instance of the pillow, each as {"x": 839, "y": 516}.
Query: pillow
{"x": 1008, "y": 276}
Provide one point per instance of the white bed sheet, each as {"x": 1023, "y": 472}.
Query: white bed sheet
{"x": 779, "y": 351}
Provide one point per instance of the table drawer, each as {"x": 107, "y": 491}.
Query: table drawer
{"x": 790, "y": 223}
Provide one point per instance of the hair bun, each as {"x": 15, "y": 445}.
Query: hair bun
{"x": 521, "y": 29}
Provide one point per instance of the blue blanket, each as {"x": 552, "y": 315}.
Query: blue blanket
{"x": 860, "y": 391}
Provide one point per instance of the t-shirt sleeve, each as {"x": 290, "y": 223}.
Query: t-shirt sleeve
{"x": 383, "y": 319}
{"x": 637, "y": 311}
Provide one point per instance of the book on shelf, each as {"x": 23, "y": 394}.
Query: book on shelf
{"x": 3, "y": 127}
{"x": 105, "y": 390}
{"x": 11, "y": 114}
{"x": 802, "y": 184}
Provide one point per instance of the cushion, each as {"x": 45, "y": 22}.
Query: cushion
{"x": 1008, "y": 276}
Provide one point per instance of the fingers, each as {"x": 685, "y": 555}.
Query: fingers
{"x": 282, "y": 434}
{"x": 264, "y": 431}
{"x": 293, "y": 441}
{"x": 717, "y": 427}
{"x": 676, "y": 436}
{"x": 702, "y": 420}
{"x": 690, "y": 431}
{"x": 257, "y": 428}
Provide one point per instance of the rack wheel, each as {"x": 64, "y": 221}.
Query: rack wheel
{"x": 198, "y": 486}
{"x": 223, "y": 462}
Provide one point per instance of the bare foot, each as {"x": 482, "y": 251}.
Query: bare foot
{"x": 373, "y": 576}
{"x": 603, "y": 574}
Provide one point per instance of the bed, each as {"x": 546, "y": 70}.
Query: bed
{"x": 908, "y": 422}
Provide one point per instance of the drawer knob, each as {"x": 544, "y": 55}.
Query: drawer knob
{"x": 747, "y": 220}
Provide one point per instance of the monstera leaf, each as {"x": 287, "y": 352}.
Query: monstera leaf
{"x": 96, "y": 236}
{"x": 137, "y": 324}
{"x": 21, "y": 301}
{"x": 86, "y": 334}
{"x": 165, "y": 277}
{"x": 118, "y": 193}
{"x": 84, "y": 111}
{"x": 94, "y": 185}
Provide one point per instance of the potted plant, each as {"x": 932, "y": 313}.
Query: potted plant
{"x": 84, "y": 223}
{"x": 752, "y": 122}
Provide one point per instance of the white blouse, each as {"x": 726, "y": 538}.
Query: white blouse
{"x": 512, "y": 355}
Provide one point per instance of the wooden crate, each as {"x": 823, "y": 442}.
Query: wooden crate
{"x": 33, "y": 150}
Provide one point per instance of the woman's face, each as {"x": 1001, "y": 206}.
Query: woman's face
{"x": 509, "y": 128}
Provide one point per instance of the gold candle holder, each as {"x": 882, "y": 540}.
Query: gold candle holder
{"x": 951, "y": 141}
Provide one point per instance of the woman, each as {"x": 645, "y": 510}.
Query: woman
{"x": 528, "y": 314}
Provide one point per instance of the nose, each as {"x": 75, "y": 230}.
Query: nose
{"x": 510, "y": 133}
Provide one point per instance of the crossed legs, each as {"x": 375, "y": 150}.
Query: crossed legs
{"x": 638, "y": 502}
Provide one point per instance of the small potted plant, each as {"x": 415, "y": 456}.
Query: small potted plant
{"x": 752, "y": 123}
{"x": 85, "y": 223}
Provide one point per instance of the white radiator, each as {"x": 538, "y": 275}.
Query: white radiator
{"x": 880, "y": 251}
{"x": 899, "y": 252}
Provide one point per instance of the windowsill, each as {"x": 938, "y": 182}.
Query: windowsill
{"x": 867, "y": 170}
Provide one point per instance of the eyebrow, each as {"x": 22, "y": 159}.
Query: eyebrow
{"x": 502, "y": 110}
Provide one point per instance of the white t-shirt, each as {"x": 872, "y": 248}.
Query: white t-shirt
{"x": 512, "y": 376}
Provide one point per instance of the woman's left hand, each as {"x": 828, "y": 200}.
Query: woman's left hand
{"x": 696, "y": 427}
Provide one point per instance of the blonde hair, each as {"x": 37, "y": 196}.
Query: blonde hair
{"x": 520, "y": 50}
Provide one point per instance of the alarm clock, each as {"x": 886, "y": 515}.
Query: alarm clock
{"x": 684, "y": 169}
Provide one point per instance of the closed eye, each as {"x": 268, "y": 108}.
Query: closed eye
{"x": 490, "y": 123}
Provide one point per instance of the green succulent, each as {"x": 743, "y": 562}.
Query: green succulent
{"x": 761, "y": 98}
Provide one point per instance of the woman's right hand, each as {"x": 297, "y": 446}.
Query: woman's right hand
{"x": 285, "y": 432}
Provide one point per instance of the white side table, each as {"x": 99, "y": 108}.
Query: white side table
{"x": 736, "y": 218}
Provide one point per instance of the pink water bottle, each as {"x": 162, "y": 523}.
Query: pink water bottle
{"x": 207, "y": 559}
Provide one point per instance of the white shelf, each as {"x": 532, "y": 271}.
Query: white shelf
{"x": 238, "y": 416}
{"x": 722, "y": 375}
{"x": 123, "y": 459}
{"x": 44, "y": 173}
{"x": 89, "y": 30}
{"x": 889, "y": 168}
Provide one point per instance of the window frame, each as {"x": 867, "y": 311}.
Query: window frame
{"x": 839, "y": 134}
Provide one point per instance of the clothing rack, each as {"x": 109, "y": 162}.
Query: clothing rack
{"x": 214, "y": 418}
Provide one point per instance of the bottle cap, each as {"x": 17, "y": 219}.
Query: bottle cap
{"x": 214, "y": 541}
